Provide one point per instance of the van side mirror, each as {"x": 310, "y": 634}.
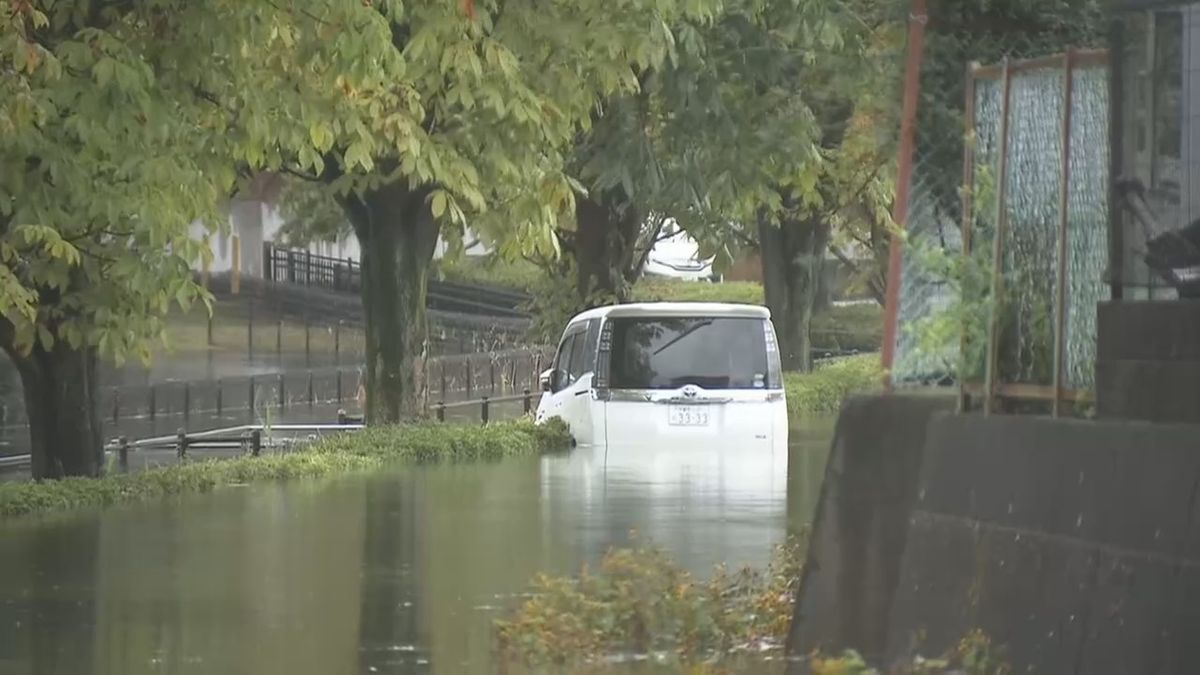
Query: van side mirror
{"x": 546, "y": 379}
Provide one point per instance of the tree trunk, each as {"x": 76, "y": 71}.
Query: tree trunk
{"x": 398, "y": 235}
{"x": 792, "y": 255}
{"x": 605, "y": 248}
{"x": 60, "y": 402}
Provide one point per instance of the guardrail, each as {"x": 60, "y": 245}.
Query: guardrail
{"x": 251, "y": 439}
{"x": 485, "y": 404}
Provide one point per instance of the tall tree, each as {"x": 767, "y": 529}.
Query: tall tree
{"x": 123, "y": 124}
{"x": 843, "y": 191}
{"x": 466, "y": 115}
{"x": 687, "y": 145}
{"x": 738, "y": 137}
{"x": 105, "y": 160}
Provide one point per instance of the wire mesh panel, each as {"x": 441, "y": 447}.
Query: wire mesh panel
{"x": 1031, "y": 199}
{"x": 1049, "y": 134}
{"x": 941, "y": 290}
{"x": 1087, "y": 224}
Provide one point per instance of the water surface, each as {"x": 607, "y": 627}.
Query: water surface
{"x": 402, "y": 572}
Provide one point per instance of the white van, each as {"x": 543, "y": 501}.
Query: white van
{"x": 669, "y": 373}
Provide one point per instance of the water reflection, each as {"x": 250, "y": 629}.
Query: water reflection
{"x": 400, "y": 573}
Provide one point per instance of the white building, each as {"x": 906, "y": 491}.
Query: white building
{"x": 255, "y": 219}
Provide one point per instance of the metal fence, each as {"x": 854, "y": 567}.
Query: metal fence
{"x": 304, "y": 268}
{"x": 141, "y": 410}
{"x": 940, "y": 290}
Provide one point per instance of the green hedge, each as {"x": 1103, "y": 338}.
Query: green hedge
{"x": 667, "y": 290}
{"x": 490, "y": 271}
{"x": 849, "y": 327}
{"x": 363, "y": 450}
{"x": 822, "y": 391}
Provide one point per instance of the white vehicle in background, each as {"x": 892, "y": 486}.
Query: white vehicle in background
{"x": 678, "y": 257}
{"x": 669, "y": 374}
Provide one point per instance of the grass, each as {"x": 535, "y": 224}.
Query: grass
{"x": 822, "y": 391}
{"x": 345, "y": 453}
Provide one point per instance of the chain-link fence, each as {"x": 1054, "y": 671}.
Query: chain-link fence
{"x": 942, "y": 290}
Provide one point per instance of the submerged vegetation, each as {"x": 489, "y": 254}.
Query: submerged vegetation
{"x": 973, "y": 655}
{"x": 639, "y": 602}
{"x": 641, "y": 606}
{"x": 344, "y": 453}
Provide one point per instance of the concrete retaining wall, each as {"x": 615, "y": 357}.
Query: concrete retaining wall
{"x": 860, "y": 525}
{"x": 1074, "y": 544}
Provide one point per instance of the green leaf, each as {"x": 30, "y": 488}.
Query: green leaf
{"x": 358, "y": 154}
{"x": 322, "y": 137}
{"x": 438, "y": 204}
{"x": 45, "y": 337}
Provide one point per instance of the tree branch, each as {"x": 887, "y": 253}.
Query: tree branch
{"x": 854, "y": 197}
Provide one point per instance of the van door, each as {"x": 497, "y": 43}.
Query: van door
{"x": 691, "y": 381}
{"x": 579, "y": 403}
{"x": 551, "y": 404}
{"x": 571, "y": 388}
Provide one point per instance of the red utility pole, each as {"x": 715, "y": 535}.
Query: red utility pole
{"x": 917, "y": 19}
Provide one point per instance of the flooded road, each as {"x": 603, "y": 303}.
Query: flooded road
{"x": 402, "y": 572}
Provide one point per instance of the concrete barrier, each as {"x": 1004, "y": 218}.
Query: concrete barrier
{"x": 860, "y": 526}
{"x": 1076, "y": 544}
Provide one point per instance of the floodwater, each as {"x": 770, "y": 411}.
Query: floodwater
{"x": 401, "y": 572}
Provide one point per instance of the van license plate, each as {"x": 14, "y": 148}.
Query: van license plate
{"x": 687, "y": 416}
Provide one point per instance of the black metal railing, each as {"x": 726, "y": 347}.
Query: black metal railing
{"x": 126, "y": 409}
{"x": 308, "y": 269}
{"x": 304, "y": 268}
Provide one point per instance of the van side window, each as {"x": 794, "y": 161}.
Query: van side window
{"x": 589, "y": 347}
{"x": 562, "y": 363}
{"x": 576, "y": 366}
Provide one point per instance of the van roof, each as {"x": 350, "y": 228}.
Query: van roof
{"x": 690, "y": 309}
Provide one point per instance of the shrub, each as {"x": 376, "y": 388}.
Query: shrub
{"x": 357, "y": 451}
{"x": 848, "y": 328}
{"x": 973, "y": 655}
{"x": 491, "y": 271}
{"x": 641, "y": 605}
{"x": 641, "y": 602}
{"x": 823, "y": 390}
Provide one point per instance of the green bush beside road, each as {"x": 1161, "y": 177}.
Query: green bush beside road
{"x": 822, "y": 391}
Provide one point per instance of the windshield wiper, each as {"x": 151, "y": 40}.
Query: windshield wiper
{"x": 693, "y": 329}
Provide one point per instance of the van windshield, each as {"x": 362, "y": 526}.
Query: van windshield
{"x": 670, "y": 352}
